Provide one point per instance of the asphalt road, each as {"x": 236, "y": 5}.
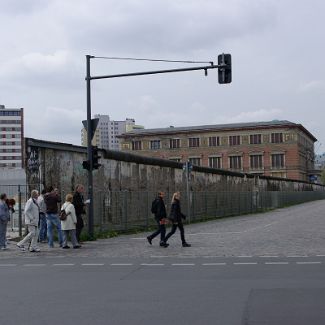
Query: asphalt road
{"x": 258, "y": 269}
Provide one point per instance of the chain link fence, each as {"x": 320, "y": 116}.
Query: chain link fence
{"x": 20, "y": 194}
{"x": 125, "y": 210}
{"x": 131, "y": 210}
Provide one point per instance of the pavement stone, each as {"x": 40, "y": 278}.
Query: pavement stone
{"x": 297, "y": 230}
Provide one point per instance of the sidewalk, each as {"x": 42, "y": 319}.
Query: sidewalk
{"x": 296, "y": 230}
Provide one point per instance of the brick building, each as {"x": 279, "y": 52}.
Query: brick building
{"x": 275, "y": 148}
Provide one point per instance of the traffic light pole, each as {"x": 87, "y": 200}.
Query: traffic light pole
{"x": 89, "y": 154}
{"x": 224, "y": 64}
{"x": 134, "y": 74}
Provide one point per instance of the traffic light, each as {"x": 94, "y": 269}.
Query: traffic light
{"x": 96, "y": 164}
{"x": 224, "y": 71}
{"x": 85, "y": 164}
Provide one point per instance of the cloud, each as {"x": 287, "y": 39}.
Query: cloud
{"x": 18, "y": 7}
{"x": 56, "y": 124}
{"x": 51, "y": 69}
{"x": 167, "y": 26}
{"x": 313, "y": 86}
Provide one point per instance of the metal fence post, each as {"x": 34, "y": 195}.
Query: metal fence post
{"x": 125, "y": 210}
{"x": 20, "y": 219}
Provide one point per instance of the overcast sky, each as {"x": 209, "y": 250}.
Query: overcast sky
{"x": 277, "y": 50}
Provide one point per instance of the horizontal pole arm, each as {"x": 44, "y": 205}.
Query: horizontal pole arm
{"x": 133, "y": 74}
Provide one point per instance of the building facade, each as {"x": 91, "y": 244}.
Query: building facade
{"x": 105, "y": 136}
{"x": 275, "y": 148}
{"x": 11, "y": 137}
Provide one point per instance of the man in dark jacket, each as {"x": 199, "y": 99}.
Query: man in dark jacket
{"x": 159, "y": 210}
{"x": 52, "y": 199}
{"x": 79, "y": 205}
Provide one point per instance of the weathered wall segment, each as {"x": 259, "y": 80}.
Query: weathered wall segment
{"x": 125, "y": 185}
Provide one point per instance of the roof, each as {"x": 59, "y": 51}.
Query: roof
{"x": 219, "y": 127}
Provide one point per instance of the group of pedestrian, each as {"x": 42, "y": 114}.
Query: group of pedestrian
{"x": 175, "y": 217}
{"x": 42, "y": 218}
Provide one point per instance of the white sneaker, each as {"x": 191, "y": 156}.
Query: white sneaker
{"x": 34, "y": 250}
{"x": 21, "y": 247}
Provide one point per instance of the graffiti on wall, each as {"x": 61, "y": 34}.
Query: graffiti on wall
{"x": 33, "y": 161}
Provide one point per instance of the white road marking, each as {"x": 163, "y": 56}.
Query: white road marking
{"x": 215, "y": 233}
{"x": 320, "y": 255}
{"x": 276, "y": 263}
{"x": 297, "y": 256}
{"x": 152, "y": 264}
{"x": 269, "y": 256}
{"x": 34, "y": 265}
{"x": 92, "y": 264}
{"x": 212, "y": 264}
{"x": 159, "y": 256}
{"x": 245, "y": 263}
{"x": 121, "y": 264}
{"x": 309, "y": 262}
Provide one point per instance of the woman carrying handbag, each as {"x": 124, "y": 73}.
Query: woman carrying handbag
{"x": 176, "y": 217}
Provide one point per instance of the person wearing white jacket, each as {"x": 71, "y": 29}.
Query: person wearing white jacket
{"x": 68, "y": 226}
{"x": 31, "y": 221}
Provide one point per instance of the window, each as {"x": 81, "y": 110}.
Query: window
{"x": 255, "y": 139}
{"x": 9, "y": 121}
{"x": 155, "y": 144}
{"x": 278, "y": 160}
{"x": 276, "y": 137}
{"x": 136, "y": 145}
{"x": 194, "y": 142}
{"x": 235, "y": 162}
{"x": 214, "y": 141}
{"x": 175, "y": 159}
{"x": 215, "y": 162}
{"x": 175, "y": 143}
{"x": 234, "y": 140}
{"x": 256, "y": 161}
{"x": 195, "y": 161}
{"x": 279, "y": 174}
{"x": 9, "y": 113}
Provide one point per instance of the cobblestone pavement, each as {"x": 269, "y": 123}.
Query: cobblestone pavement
{"x": 297, "y": 230}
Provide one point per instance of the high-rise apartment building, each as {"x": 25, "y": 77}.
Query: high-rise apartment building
{"x": 106, "y": 133}
{"x": 11, "y": 137}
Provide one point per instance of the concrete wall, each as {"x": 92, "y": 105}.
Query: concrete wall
{"x": 125, "y": 184}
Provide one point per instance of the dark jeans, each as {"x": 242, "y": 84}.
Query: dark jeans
{"x": 79, "y": 226}
{"x": 42, "y": 227}
{"x": 160, "y": 230}
{"x": 173, "y": 230}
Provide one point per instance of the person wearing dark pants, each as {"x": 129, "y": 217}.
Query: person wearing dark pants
{"x": 176, "y": 217}
{"x": 4, "y": 219}
{"x": 79, "y": 204}
{"x": 159, "y": 210}
{"x": 42, "y": 217}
